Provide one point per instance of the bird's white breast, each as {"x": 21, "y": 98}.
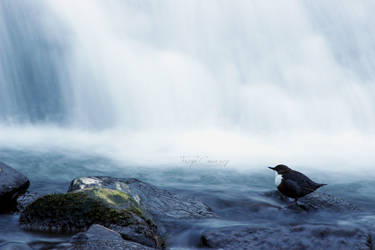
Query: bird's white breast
{"x": 278, "y": 178}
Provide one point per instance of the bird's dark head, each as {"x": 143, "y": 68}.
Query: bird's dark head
{"x": 280, "y": 169}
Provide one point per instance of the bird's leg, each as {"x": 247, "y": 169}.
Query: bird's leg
{"x": 299, "y": 205}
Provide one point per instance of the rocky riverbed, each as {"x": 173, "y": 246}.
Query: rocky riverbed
{"x": 134, "y": 208}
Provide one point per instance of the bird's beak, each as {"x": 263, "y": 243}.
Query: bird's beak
{"x": 272, "y": 168}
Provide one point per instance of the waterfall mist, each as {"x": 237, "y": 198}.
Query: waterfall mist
{"x": 149, "y": 81}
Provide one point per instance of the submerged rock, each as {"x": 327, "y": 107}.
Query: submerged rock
{"x": 162, "y": 204}
{"x": 99, "y": 237}
{"x": 77, "y": 211}
{"x": 315, "y": 201}
{"x": 287, "y": 237}
{"x": 12, "y": 184}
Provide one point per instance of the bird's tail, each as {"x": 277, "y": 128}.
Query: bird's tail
{"x": 321, "y": 185}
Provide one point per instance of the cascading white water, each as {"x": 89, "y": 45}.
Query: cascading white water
{"x": 263, "y": 82}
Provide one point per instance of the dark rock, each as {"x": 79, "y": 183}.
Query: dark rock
{"x": 287, "y": 237}
{"x": 326, "y": 201}
{"x": 12, "y": 184}
{"x": 14, "y": 246}
{"x": 77, "y": 211}
{"x": 99, "y": 237}
{"x": 26, "y": 199}
{"x": 315, "y": 201}
{"x": 162, "y": 204}
{"x": 50, "y": 245}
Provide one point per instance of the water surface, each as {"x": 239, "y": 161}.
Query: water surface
{"x": 237, "y": 197}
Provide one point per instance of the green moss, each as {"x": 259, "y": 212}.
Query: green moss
{"x": 139, "y": 212}
{"x": 111, "y": 196}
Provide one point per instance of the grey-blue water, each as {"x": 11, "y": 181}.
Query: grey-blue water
{"x": 146, "y": 81}
{"x": 236, "y": 197}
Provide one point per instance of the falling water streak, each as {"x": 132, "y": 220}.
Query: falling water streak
{"x": 231, "y": 79}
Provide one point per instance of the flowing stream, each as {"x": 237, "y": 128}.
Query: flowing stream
{"x": 194, "y": 96}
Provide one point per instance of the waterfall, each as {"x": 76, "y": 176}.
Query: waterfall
{"x": 31, "y": 64}
{"x": 255, "y": 69}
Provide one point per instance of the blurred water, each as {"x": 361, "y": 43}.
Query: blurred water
{"x": 244, "y": 80}
{"x": 130, "y": 88}
{"x": 141, "y": 65}
{"x": 238, "y": 197}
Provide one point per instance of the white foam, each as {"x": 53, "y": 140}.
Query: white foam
{"x": 243, "y": 82}
{"x": 346, "y": 153}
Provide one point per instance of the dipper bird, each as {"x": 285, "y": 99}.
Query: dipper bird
{"x": 292, "y": 183}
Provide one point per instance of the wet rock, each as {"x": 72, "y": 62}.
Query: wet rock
{"x": 99, "y": 237}
{"x": 162, "y": 204}
{"x": 50, "y": 245}
{"x": 26, "y": 199}
{"x": 77, "y": 211}
{"x": 315, "y": 201}
{"x": 326, "y": 201}
{"x": 287, "y": 237}
{"x": 12, "y": 184}
{"x": 14, "y": 246}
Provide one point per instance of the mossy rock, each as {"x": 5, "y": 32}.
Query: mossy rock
{"x": 77, "y": 211}
{"x": 163, "y": 205}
